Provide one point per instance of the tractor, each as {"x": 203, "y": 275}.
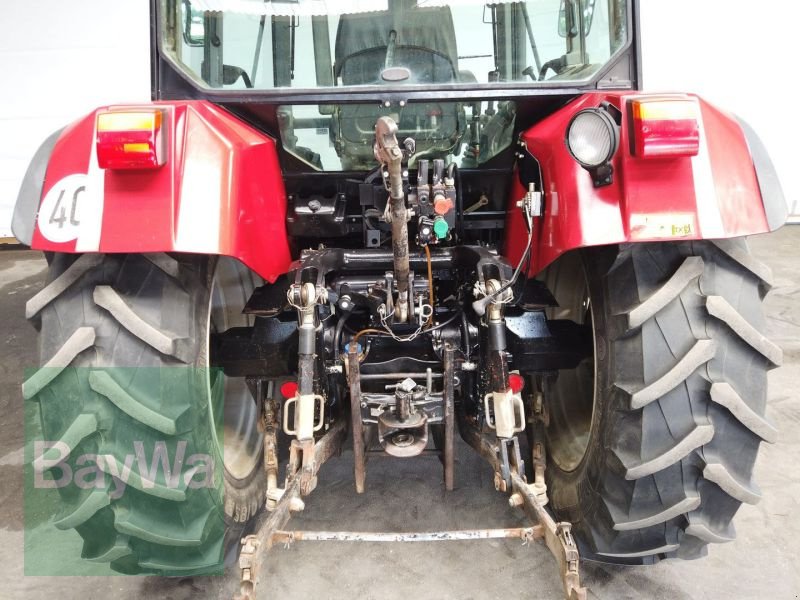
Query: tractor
{"x": 377, "y": 224}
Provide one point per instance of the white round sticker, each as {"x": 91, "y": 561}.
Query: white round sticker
{"x": 60, "y": 212}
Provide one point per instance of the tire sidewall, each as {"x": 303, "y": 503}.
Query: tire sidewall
{"x": 573, "y": 493}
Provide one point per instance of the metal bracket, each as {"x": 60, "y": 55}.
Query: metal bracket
{"x": 361, "y": 446}
{"x": 510, "y": 461}
{"x": 297, "y": 485}
{"x": 253, "y": 546}
{"x": 539, "y": 421}
{"x": 532, "y": 499}
{"x": 503, "y": 455}
{"x": 525, "y": 534}
{"x": 305, "y": 415}
{"x": 249, "y": 560}
{"x": 270, "y": 529}
{"x": 557, "y": 537}
{"x": 270, "y": 421}
{"x": 505, "y": 413}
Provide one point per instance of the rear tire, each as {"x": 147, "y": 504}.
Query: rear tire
{"x": 124, "y": 345}
{"x": 656, "y": 458}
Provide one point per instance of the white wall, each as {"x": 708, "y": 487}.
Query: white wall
{"x": 59, "y": 60}
{"x": 737, "y": 54}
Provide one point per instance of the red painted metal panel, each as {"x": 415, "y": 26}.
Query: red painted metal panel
{"x": 734, "y": 175}
{"x": 220, "y": 192}
{"x": 712, "y": 195}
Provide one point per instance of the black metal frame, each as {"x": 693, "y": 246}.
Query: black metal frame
{"x": 270, "y": 528}
{"x": 168, "y": 82}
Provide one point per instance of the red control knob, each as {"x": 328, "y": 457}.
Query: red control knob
{"x": 442, "y": 205}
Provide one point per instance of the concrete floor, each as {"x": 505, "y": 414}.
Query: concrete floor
{"x": 763, "y": 562}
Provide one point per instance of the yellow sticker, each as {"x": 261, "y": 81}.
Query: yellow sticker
{"x": 682, "y": 230}
{"x": 669, "y": 225}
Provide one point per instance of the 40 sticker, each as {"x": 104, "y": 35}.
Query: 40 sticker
{"x": 60, "y": 211}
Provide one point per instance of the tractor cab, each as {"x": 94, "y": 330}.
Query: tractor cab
{"x": 413, "y": 60}
{"x": 402, "y": 45}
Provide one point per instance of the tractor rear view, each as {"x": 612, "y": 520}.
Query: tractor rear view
{"x": 380, "y": 225}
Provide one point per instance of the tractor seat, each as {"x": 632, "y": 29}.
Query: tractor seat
{"x": 425, "y": 43}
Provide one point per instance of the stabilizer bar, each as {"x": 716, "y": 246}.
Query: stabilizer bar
{"x": 557, "y": 536}
{"x": 253, "y": 546}
{"x": 523, "y": 533}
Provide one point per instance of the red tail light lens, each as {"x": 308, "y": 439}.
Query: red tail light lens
{"x": 665, "y": 128}
{"x": 131, "y": 139}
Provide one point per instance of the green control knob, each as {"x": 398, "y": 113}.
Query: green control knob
{"x": 440, "y": 228}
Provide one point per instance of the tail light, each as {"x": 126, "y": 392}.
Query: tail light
{"x": 131, "y": 139}
{"x": 665, "y": 127}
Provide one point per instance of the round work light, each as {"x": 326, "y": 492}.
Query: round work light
{"x": 592, "y": 138}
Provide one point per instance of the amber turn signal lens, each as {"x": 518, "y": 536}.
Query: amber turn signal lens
{"x": 665, "y": 127}
{"x": 131, "y": 139}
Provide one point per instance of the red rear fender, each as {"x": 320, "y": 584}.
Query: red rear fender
{"x": 220, "y": 192}
{"x": 725, "y": 191}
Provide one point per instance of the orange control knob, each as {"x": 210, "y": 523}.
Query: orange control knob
{"x": 442, "y": 205}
